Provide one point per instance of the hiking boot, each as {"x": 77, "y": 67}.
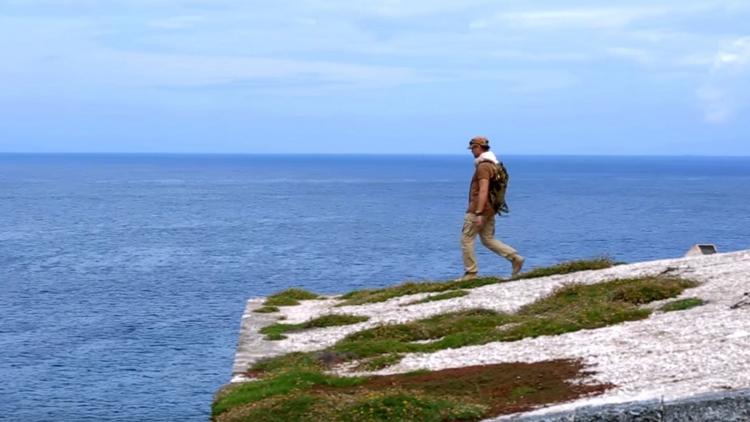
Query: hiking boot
{"x": 467, "y": 276}
{"x": 517, "y": 265}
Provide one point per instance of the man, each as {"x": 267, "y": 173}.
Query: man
{"x": 480, "y": 217}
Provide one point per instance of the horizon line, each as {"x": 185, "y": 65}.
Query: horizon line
{"x": 343, "y": 154}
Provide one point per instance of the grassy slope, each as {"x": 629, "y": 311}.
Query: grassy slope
{"x": 295, "y": 378}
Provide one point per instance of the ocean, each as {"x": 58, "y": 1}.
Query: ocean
{"x": 123, "y": 277}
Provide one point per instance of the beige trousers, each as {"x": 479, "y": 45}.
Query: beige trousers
{"x": 486, "y": 236}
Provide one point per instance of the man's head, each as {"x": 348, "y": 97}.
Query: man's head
{"x": 478, "y": 145}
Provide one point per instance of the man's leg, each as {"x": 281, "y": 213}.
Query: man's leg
{"x": 487, "y": 237}
{"x": 468, "y": 234}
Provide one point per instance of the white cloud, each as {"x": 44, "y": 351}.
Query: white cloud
{"x": 727, "y": 90}
{"x": 177, "y": 22}
{"x": 694, "y": 60}
{"x": 195, "y": 70}
{"x": 64, "y": 59}
{"x": 570, "y": 18}
{"x": 317, "y": 47}
{"x": 638, "y": 55}
{"x": 533, "y": 56}
{"x": 733, "y": 6}
{"x": 395, "y": 8}
{"x": 716, "y": 106}
{"x": 734, "y": 57}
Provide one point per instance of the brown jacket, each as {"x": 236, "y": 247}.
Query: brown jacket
{"x": 484, "y": 170}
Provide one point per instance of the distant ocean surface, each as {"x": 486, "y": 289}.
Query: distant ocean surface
{"x": 123, "y": 277}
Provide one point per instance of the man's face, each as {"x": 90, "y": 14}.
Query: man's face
{"x": 476, "y": 150}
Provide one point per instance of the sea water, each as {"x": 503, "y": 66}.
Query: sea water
{"x": 123, "y": 277}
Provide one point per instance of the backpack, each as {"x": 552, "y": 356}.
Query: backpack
{"x": 498, "y": 186}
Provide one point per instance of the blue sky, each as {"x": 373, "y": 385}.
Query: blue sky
{"x": 312, "y": 76}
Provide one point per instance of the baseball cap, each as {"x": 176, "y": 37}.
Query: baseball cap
{"x": 479, "y": 140}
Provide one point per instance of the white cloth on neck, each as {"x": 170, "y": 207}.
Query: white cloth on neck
{"x": 486, "y": 156}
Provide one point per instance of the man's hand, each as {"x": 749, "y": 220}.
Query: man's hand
{"x": 479, "y": 221}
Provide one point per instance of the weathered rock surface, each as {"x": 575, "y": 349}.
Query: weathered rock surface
{"x": 659, "y": 363}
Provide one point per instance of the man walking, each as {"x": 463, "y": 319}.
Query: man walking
{"x": 480, "y": 217}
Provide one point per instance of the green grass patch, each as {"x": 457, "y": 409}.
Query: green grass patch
{"x": 376, "y": 406}
{"x": 451, "y": 330}
{"x": 442, "y": 296}
{"x": 290, "y": 361}
{"x": 289, "y": 297}
{"x": 682, "y": 304}
{"x": 407, "y": 406}
{"x": 276, "y": 331}
{"x": 359, "y": 297}
{"x": 379, "y": 362}
{"x": 283, "y": 383}
{"x": 294, "y": 407}
{"x": 522, "y": 391}
{"x": 568, "y": 267}
{"x": 267, "y": 309}
{"x": 274, "y": 336}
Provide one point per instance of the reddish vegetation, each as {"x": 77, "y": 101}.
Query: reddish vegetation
{"x": 505, "y": 388}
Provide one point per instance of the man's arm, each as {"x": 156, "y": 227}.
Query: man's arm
{"x": 484, "y": 189}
